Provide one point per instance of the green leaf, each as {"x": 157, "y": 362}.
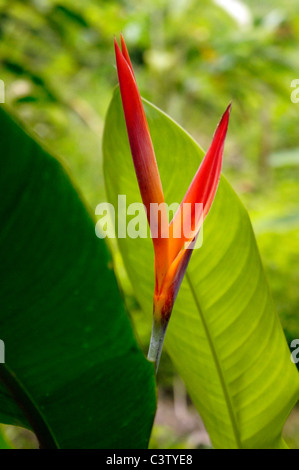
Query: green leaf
{"x": 224, "y": 335}
{"x": 73, "y": 371}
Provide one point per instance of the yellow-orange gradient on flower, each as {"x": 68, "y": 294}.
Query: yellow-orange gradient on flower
{"x": 172, "y": 242}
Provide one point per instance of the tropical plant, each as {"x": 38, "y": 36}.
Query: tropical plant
{"x": 73, "y": 370}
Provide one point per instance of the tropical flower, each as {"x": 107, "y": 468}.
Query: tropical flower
{"x": 172, "y": 251}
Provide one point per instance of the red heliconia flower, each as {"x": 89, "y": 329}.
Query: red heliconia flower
{"x": 172, "y": 253}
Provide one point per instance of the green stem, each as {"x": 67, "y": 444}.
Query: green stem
{"x": 156, "y": 344}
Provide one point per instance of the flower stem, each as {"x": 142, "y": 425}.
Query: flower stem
{"x": 156, "y": 344}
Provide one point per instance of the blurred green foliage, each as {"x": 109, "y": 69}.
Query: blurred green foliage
{"x": 190, "y": 58}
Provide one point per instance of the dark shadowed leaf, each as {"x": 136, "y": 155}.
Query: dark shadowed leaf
{"x": 73, "y": 371}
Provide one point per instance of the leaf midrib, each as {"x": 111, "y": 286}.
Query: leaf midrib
{"x": 29, "y": 407}
{"x": 217, "y": 364}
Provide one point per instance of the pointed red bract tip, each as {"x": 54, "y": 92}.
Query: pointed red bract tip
{"x": 203, "y": 186}
{"x": 116, "y": 46}
{"x": 139, "y": 137}
{"x": 125, "y": 53}
{"x": 143, "y": 154}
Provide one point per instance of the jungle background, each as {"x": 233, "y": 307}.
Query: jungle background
{"x": 191, "y": 58}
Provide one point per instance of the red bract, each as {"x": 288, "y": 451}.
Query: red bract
{"x": 172, "y": 253}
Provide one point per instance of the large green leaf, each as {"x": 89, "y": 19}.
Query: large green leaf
{"x": 224, "y": 335}
{"x": 73, "y": 371}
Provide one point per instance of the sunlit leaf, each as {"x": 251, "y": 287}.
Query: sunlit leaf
{"x": 224, "y": 335}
